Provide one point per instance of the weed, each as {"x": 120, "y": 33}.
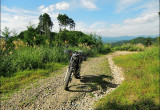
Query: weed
{"x": 140, "y": 90}
{"x": 91, "y": 94}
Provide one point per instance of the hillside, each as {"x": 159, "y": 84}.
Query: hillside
{"x": 134, "y": 41}
{"x": 140, "y": 89}
{"x": 116, "y": 39}
{"x": 123, "y": 38}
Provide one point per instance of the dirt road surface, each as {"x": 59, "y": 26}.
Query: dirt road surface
{"x": 49, "y": 93}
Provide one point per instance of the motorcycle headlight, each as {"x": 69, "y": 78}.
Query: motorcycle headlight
{"x": 74, "y": 57}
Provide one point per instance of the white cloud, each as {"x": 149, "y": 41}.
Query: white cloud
{"x": 124, "y": 4}
{"x": 48, "y": 9}
{"x": 145, "y": 25}
{"x": 16, "y": 17}
{"x": 99, "y": 24}
{"x": 150, "y": 7}
{"x": 17, "y": 10}
{"x": 41, "y": 7}
{"x": 88, "y": 4}
{"x": 19, "y": 22}
{"x": 51, "y": 7}
{"x": 142, "y": 20}
{"x": 62, "y": 6}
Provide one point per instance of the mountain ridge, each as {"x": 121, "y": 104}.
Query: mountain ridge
{"x": 122, "y": 38}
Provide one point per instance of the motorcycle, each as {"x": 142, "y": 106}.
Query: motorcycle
{"x": 76, "y": 59}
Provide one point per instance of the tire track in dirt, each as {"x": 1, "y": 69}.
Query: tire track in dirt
{"x": 49, "y": 93}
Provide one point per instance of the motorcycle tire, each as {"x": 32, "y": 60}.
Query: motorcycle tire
{"x": 67, "y": 79}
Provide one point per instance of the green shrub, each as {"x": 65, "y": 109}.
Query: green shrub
{"x": 30, "y": 58}
{"x": 104, "y": 49}
{"x": 130, "y": 47}
{"x": 36, "y": 58}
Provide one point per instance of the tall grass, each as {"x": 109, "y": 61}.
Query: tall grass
{"x": 36, "y": 57}
{"x": 140, "y": 90}
{"x": 30, "y": 58}
{"x": 26, "y": 64}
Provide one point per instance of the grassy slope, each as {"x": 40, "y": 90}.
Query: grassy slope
{"x": 140, "y": 90}
{"x": 134, "y": 41}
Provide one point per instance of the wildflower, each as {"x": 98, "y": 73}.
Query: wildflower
{"x": 3, "y": 49}
{"x": 10, "y": 52}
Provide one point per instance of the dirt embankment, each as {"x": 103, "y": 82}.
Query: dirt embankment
{"x": 49, "y": 93}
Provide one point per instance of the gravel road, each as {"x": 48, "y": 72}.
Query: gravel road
{"x": 49, "y": 93}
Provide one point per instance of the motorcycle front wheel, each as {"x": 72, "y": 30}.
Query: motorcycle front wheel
{"x": 67, "y": 80}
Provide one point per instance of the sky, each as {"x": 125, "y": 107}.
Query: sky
{"x": 107, "y": 18}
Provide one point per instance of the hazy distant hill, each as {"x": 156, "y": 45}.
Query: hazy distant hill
{"x": 122, "y": 38}
{"x": 116, "y": 39}
{"x": 134, "y": 41}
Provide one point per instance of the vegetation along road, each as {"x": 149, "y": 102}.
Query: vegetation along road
{"x": 99, "y": 77}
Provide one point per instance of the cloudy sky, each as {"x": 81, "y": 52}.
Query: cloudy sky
{"x": 110, "y": 18}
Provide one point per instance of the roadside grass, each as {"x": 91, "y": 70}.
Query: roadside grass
{"x": 28, "y": 64}
{"x": 23, "y": 78}
{"x": 130, "y": 47}
{"x": 140, "y": 90}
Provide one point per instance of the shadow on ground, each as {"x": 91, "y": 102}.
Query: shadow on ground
{"x": 92, "y": 83}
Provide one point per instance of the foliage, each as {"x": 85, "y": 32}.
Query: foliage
{"x": 45, "y": 24}
{"x": 42, "y": 34}
{"x": 140, "y": 90}
{"x": 65, "y": 21}
{"x": 157, "y": 43}
{"x": 39, "y": 49}
{"x": 29, "y": 58}
{"x": 130, "y": 47}
{"x": 137, "y": 40}
{"x": 6, "y": 33}
{"x": 22, "y": 78}
{"x": 74, "y": 38}
{"x": 2, "y": 45}
{"x": 148, "y": 42}
{"x": 104, "y": 49}
{"x": 29, "y": 35}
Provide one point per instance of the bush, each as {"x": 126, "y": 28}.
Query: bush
{"x": 37, "y": 57}
{"x": 104, "y": 49}
{"x": 30, "y": 58}
{"x": 131, "y": 47}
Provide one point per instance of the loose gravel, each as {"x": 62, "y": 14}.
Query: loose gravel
{"x": 49, "y": 93}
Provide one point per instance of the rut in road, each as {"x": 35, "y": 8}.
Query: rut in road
{"x": 49, "y": 93}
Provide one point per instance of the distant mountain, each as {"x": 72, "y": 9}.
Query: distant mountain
{"x": 134, "y": 41}
{"x": 122, "y": 38}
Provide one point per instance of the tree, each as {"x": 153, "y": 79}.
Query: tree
{"x": 14, "y": 33}
{"x": 71, "y": 24}
{"x": 6, "y": 33}
{"x": 29, "y": 35}
{"x": 149, "y": 41}
{"x": 45, "y": 24}
{"x": 65, "y": 21}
